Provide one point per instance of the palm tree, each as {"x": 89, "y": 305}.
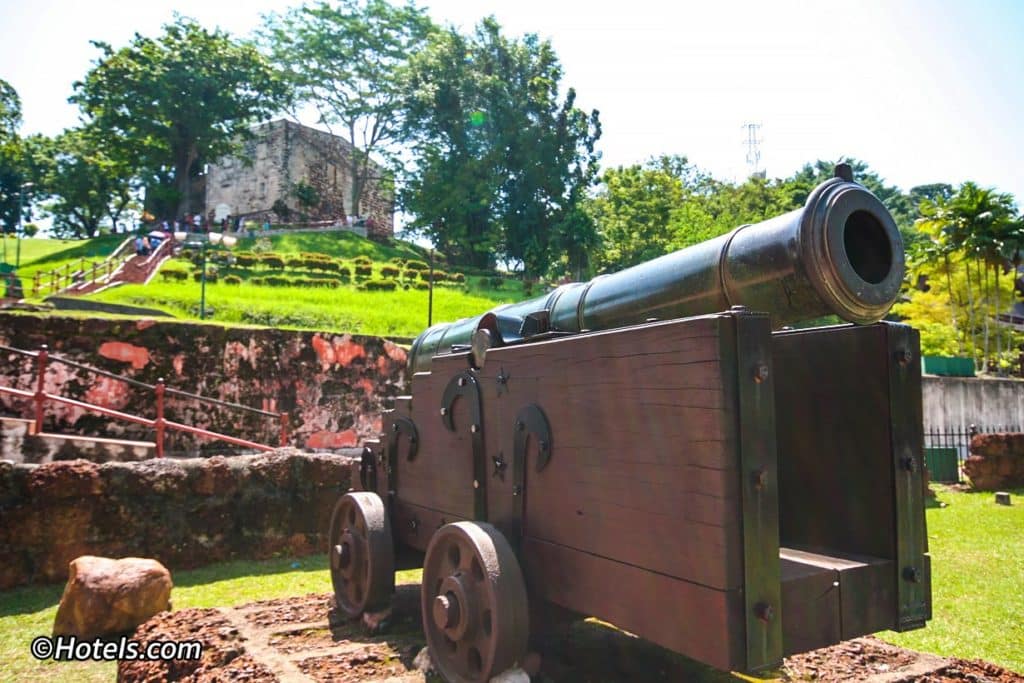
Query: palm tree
{"x": 982, "y": 226}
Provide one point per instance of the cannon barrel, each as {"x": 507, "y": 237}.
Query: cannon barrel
{"x": 840, "y": 254}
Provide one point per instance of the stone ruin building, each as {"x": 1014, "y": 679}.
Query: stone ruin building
{"x": 293, "y": 173}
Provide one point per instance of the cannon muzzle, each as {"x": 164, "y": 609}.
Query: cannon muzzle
{"x": 840, "y": 254}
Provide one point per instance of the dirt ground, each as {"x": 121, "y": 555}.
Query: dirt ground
{"x": 304, "y": 639}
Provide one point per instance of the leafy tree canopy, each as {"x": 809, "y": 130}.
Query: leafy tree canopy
{"x": 502, "y": 161}
{"x": 173, "y": 103}
{"x": 12, "y": 170}
{"x": 85, "y": 185}
{"x": 349, "y": 59}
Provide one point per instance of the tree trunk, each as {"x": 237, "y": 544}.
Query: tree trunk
{"x": 999, "y": 335}
{"x": 972, "y": 330}
{"x": 182, "y": 179}
{"x": 952, "y": 304}
{"x": 986, "y": 309}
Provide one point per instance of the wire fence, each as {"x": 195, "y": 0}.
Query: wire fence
{"x": 947, "y": 449}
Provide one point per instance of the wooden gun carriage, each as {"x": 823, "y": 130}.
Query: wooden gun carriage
{"x": 652, "y": 453}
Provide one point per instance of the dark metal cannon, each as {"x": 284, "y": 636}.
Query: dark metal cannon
{"x": 841, "y": 254}
{"x": 644, "y": 448}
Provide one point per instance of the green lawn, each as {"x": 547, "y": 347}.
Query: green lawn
{"x": 342, "y": 244}
{"x": 402, "y": 313}
{"x": 43, "y": 255}
{"x": 29, "y": 612}
{"x": 977, "y": 550}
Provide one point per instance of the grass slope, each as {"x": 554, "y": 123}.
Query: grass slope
{"x": 395, "y": 314}
{"x": 44, "y": 255}
{"x": 401, "y": 313}
{"x": 341, "y": 244}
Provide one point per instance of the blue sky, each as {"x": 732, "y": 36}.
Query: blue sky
{"x": 922, "y": 91}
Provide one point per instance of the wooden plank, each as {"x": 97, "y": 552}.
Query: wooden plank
{"x": 413, "y": 525}
{"x": 833, "y": 434}
{"x": 810, "y": 606}
{"x": 755, "y": 415}
{"x": 643, "y": 475}
{"x": 441, "y": 475}
{"x": 864, "y": 585}
{"x": 914, "y": 594}
{"x": 687, "y": 618}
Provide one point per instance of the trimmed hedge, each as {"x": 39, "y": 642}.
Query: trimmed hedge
{"x": 363, "y": 269}
{"x": 439, "y": 276}
{"x": 232, "y": 280}
{"x": 390, "y": 271}
{"x": 379, "y": 286}
{"x": 272, "y": 261}
{"x": 412, "y": 264}
{"x": 179, "y": 275}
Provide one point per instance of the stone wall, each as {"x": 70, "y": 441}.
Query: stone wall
{"x": 333, "y": 386}
{"x": 283, "y": 154}
{"x": 184, "y": 513}
{"x": 956, "y": 402}
{"x": 996, "y": 461}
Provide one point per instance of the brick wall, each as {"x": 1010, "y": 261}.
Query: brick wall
{"x": 333, "y": 386}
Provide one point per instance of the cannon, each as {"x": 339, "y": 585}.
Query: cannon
{"x": 657, "y": 449}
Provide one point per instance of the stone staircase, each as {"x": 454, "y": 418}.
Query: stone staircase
{"x": 19, "y": 443}
{"x": 136, "y": 269}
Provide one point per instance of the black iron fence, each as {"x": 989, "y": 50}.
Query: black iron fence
{"x": 946, "y": 449}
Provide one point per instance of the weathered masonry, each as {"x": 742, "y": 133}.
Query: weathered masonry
{"x": 307, "y": 170}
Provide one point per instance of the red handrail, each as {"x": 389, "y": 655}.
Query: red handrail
{"x": 160, "y": 423}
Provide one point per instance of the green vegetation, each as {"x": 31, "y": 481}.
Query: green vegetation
{"x": 42, "y": 255}
{"x": 132, "y": 100}
{"x": 341, "y": 244}
{"x": 401, "y": 313}
{"x": 325, "y": 281}
{"x": 977, "y": 580}
{"x": 29, "y": 612}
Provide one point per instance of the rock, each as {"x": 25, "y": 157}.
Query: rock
{"x": 105, "y": 596}
{"x": 996, "y": 461}
{"x": 377, "y": 622}
{"x": 423, "y": 662}
{"x": 511, "y": 676}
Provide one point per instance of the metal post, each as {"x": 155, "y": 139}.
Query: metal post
{"x": 159, "y": 389}
{"x": 430, "y": 292}
{"x": 284, "y": 429}
{"x": 40, "y": 396}
{"x": 202, "y": 286}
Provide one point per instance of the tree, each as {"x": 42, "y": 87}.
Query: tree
{"x": 977, "y": 229}
{"x": 85, "y": 184}
{"x": 633, "y": 211}
{"x": 171, "y": 104}
{"x": 501, "y": 162}
{"x": 349, "y": 60}
{"x": 12, "y": 172}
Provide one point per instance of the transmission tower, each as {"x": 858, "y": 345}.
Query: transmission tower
{"x": 753, "y": 145}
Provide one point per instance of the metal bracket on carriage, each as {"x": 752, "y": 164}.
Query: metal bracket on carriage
{"x": 368, "y": 466}
{"x": 403, "y": 426}
{"x": 466, "y": 385}
{"x": 530, "y": 421}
